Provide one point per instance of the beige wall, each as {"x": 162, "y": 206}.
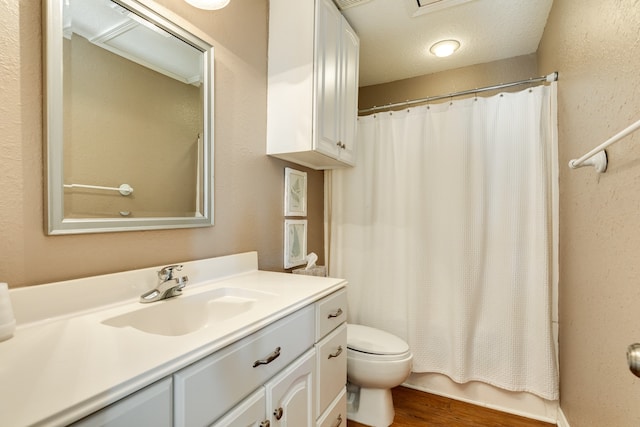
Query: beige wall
{"x": 595, "y": 47}
{"x": 249, "y": 185}
{"x": 481, "y": 75}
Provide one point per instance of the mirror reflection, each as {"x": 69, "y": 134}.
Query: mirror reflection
{"x": 134, "y": 142}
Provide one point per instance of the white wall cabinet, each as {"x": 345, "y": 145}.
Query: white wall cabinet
{"x": 312, "y": 84}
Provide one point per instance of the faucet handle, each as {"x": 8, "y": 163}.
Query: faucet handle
{"x": 182, "y": 282}
{"x": 166, "y": 273}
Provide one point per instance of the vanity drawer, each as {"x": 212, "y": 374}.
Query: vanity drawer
{"x": 336, "y": 415}
{"x": 331, "y": 365}
{"x": 331, "y": 311}
{"x": 207, "y": 389}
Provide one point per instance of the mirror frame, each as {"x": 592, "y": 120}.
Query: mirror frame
{"x": 53, "y": 124}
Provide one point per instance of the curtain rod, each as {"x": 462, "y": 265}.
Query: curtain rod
{"x": 548, "y": 78}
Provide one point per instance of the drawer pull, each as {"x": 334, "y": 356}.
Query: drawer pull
{"x": 267, "y": 423}
{"x": 336, "y": 354}
{"x": 278, "y": 413}
{"x": 338, "y": 421}
{"x": 270, "y": 358}
{"x": 338, "y": 313}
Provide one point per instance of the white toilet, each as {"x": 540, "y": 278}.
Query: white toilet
{"x": 376, "y": 362}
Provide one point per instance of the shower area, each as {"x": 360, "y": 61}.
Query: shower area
{"x": 447, "y": 233}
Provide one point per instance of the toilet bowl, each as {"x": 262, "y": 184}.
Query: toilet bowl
{"x": 377, "y": 361}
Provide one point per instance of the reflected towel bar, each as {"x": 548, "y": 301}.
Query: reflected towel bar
{"x": 598, "y": 157}
{"x": 124, "y": 189}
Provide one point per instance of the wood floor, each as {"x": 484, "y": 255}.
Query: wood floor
{"x": 418, "y": 409}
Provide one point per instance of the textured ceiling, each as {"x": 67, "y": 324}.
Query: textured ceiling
{"x": 394, "y": 45}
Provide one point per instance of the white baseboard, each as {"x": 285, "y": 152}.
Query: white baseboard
{"x": 562, "y": 420}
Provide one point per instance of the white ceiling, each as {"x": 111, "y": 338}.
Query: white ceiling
{"x": 394, "y": 45}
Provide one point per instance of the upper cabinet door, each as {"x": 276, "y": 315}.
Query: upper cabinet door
{"x": 328, "y": 78}
{"x": 349, "y": 92}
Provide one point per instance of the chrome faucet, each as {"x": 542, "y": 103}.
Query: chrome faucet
{"x": 168, "y": 285}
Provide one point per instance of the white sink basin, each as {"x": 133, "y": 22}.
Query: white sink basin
{"x": 189, "y": 313}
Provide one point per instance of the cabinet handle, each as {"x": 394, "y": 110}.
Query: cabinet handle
{"x": 278, "y": 413}
{"x": 338, "y": 313}
{"x": 338, "y": 421}
{"x": 267, "y": 423}
{"x": 270, "y": 358}
{"x": 336, "y": 354}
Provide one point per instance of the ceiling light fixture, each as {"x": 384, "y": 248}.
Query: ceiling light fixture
{"x": 444, "y": 48}
{"x": 208, "y": 4}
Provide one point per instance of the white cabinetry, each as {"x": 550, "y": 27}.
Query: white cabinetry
{"x": 250, "y": 413}
{"x": 331, "y": 359}
{"x": 312, "y": 84}
{"x": 291, "y": 373}
{"x": 151, "y": 406}
{"x": 209, "y": 388}
{"x": 290, "y": 394}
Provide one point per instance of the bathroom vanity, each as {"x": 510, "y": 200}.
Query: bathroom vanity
{"x": 239, "y": 347}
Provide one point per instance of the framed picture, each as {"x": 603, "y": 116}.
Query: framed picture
{"x": 295, "y": 192}
{"x": 295, "y": 242}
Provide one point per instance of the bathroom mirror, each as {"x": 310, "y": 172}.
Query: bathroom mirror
{"x": 128, "y": 118}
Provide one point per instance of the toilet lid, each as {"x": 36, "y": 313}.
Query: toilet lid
{"x": 370, "y": 340}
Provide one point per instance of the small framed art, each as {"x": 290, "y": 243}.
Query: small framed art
{"x": 295, "y": 192}
{"x": 295, "y": 242}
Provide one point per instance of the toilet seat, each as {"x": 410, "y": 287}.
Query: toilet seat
{"x": 378, "y": 344}
{"x": 360, "y": 355}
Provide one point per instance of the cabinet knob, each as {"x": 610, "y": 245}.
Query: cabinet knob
{"x": 340, "y": 144}
{"x": 265, "y": 423}
{"x": 278, "y": 413}
{"x": 338, "y": 421}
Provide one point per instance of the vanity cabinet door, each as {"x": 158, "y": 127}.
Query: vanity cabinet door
{"x": 151, "y": 406}
{"x": 332, "y": 367}
{"x": 250, "y": 413}
{"x": 290, "y": 394}
{"x": 336, "y": 415}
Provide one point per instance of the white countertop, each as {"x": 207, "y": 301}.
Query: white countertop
{"x": 55, "y": 371}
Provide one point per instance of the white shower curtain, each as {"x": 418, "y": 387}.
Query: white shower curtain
{"x": 443, "y": 230}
